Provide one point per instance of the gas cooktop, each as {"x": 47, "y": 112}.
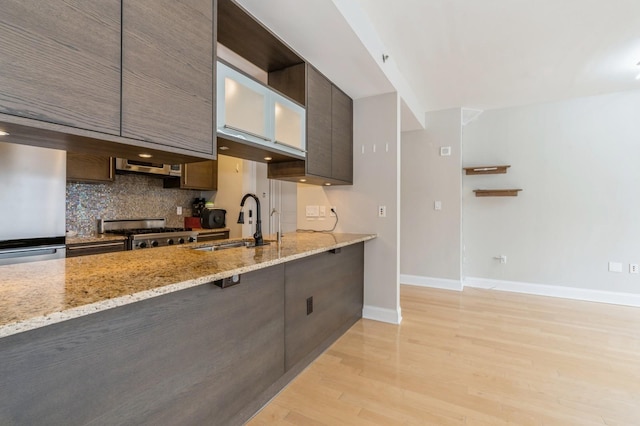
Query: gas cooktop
{"x": 146, "y": 233}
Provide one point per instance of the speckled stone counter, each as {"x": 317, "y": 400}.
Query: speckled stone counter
{"x": 37, "y": 294}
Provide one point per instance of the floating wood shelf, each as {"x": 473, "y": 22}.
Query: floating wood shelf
{"x": 497, "y": 192}
{"x": 486, "y": 170}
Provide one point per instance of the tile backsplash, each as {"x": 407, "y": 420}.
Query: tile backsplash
{"x": 130, "y": 196}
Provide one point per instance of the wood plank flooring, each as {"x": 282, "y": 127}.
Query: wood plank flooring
{"x": 477, "y": 357}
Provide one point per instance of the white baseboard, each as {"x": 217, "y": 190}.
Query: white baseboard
{"x": 442, "y": 283}
{"x": 627, "y": 299}
{"x": 382, "y": 314}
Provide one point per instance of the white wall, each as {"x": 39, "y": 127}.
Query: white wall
{"x": 231, "y": 178}
{"x": 376, "y": 182}
{"x": 430, "y": 239}
{"x": 578, "y": 163}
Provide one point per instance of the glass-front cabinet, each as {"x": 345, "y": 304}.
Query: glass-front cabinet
{"x": 250, "y": 112}
{"x": 289, "y": 124}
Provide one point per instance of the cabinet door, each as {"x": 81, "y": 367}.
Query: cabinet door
{"x": 243, "y": 106}
{"x": 86, "y": 249}
{"x": 167, "y": 73}
{"x": 89, "y": 168}
{"x": 61, "y": 62}
{"x": 202, "y": 175}
{"x": 289, "y": 125}
{"x": 335, "y": 282}
{"x": 341, "y": 136}
{"x": 318, "y": 124}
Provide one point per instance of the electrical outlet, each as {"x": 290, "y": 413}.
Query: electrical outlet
{"x": 332, "y": 211}
{"x": 382, "y": 211}
{"x": 309, "y": 305}
{"x": 633, "y": 268}
{"x": 179, "y": 210}
{"x": 323, "y": 211}
{"x": 437, "y": 205}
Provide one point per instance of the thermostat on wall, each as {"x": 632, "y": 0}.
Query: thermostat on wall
{"x": 445, "y": 151}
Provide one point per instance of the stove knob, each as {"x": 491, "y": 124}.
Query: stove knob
{"x": 170, "y": 241}
{"x": 154, "y": 243}
{"x": 192, "y": 239}
{"x": 142, "y": 245}
{"x": 180, "y": 240}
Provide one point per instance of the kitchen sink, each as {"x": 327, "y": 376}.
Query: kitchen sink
{"x": 223, "y": 246}
{"x": 228, "y": 245}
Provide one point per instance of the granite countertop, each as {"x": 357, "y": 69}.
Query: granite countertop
{"x": 37, "y": 294}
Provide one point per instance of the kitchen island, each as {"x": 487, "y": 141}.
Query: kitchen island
{"x": 146, "y": 337}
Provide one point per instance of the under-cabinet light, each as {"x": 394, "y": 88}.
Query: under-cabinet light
{"x": 223, "y": 148}
{"x": 303, "y": 180}
{"x": 143, "y": 155}
{"x": 3, "y": 133}
{"x": 268, "y": 158}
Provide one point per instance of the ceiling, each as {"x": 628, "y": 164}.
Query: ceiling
{"x": 480, "y": 54}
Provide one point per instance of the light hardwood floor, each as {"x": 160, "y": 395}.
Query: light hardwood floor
{"x": 477, "y": 357}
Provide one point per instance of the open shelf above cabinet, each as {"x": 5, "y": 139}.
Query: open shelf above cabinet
{"x": 497, "y": 192}
{"x": 485, "y": 170}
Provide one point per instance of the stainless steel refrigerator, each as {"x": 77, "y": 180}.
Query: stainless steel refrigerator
{"x": 32, "y": 203}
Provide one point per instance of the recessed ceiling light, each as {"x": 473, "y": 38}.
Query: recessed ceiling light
{"x": 223, "y": 148}
{"x": 268, "y": 158}
{"x": 143, "y": 155}
{"x": 3, "y": 133}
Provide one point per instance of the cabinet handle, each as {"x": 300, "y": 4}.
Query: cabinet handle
{"x": 185, "y": 174}
{"x": 236, "y": 129}
{"x": 110, "y": 168}
{"x": 89, "y": 246}
{"x": 290, "y": 146}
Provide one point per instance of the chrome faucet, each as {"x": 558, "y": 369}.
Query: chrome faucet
{"x": 258, "y": 234}
{"x": 279, "y": 233}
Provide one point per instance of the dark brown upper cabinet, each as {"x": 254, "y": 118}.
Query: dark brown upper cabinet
{"x": 168, "y": 73}
{"x": 341, "y": 136}
{"x": 329, "y": 136}
{"x": 202, "y": 176}
{"x": 61, "y": 62}
{"x": 113, "y": 78}
{"x": 329, "y": 123}
{"x": 89, "y": 168}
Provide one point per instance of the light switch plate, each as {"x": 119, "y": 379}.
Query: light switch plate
{"x": 445, "y": 151}
{"x": 615, "y": 267}
{"x": 313, "y": 211}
